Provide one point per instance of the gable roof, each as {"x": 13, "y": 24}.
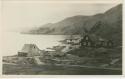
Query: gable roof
{"x": 29, "y": 48}
{"x": 93, "y": 37}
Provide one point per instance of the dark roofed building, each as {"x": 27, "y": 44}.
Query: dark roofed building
{"x": 95, "y": 41}
{"x": 88, "y": 40}
{"x": 110, "y": 44}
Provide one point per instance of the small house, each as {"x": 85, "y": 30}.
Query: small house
{"x": 29, "y": 50}
{"x": 101, "y": 43}
{"x": 86, "y": 41}
{"x": 110, "y": 44}
{"x": 94, "y": 41}
{"x": 105, "y": 43}
{"x": 74, "y": 41}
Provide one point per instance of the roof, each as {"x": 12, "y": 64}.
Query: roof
{"x": 94, "y": 38}
{"x": 49, "y": 50}
{"x": 29, "y": 48}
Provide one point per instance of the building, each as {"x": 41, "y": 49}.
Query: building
{"x": 94, "y": 41}
{"x": 101, "y": 43}
{"x": 110, "y": 44}
{"x": 86, "y": 41}
{"x": 29, "y": 50}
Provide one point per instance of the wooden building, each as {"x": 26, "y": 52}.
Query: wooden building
{"x": 86, "y": 41}
{"x": 94, "y": 41}
{"x": 110, "y": 44}
{"x": 29, "y": 50}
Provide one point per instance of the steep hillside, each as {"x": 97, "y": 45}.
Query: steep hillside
{"x": 110, "y": 25}
{"x": 77, "y": 24}
{"x": 107, "y": 25}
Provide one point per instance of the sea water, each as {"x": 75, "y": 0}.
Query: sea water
{"x": 12, "y": 42}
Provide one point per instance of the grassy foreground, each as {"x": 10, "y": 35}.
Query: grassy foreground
{"x": 9, "y": 69}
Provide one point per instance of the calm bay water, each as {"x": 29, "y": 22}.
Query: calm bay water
{"x": 12, "y": 42}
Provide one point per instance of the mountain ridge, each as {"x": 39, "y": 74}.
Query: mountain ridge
{"x": 110, "y": 25}
{"x": 73, "y": 24}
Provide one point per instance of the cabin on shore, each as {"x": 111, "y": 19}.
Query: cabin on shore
{"x": 73, "y": 40}
{"x": 29, "y": 50}
{"x": 105, "y": 44}
{"x": 86, "y": 41}
{"x": 94, "y": 41}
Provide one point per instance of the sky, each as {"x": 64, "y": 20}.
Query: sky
{"x": 17, "y": 16}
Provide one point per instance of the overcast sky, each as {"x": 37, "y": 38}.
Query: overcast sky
{"x": 25, "y": 15}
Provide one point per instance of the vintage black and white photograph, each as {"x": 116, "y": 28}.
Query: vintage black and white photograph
{"x": 49, "y": 38}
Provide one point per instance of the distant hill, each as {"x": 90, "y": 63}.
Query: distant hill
{"x": 107, "y": 25}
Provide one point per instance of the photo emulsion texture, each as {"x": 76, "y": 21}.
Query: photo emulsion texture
{"x": 62, "y": 39}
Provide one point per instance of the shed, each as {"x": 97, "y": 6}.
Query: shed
{"x": 89, "y": 40}
{"x": 29, "y": 50}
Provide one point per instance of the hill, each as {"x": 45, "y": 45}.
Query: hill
{"x": 107, "y": 25}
